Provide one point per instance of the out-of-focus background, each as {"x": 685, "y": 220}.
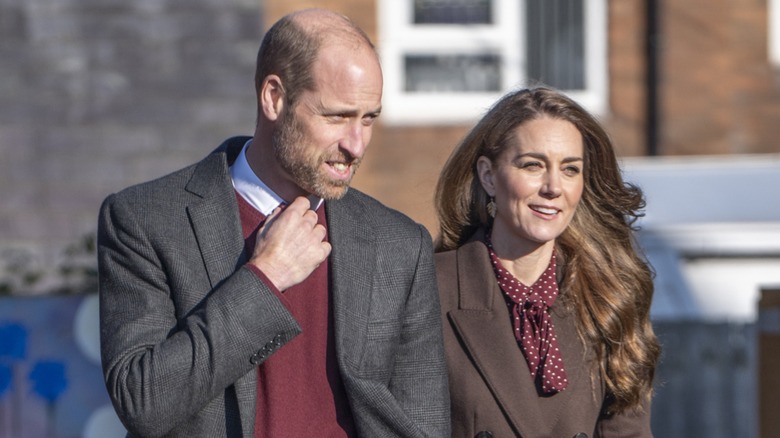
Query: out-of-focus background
{"x": 96, "y": 95}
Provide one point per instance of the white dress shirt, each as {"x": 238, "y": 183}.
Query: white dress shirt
{"x": 253, "y": 189}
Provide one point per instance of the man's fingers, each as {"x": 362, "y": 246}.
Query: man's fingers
{"x": 291, "y": 244}
{"x": 295, "y": 210}
{"x": 299, "y": 204}
{"x": 319, "y": 232}
{"x": 327, "y": 248}
{"x": 310, "y": 217}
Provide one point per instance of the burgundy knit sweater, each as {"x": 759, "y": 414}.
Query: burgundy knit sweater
{"x": 299, "y": 388}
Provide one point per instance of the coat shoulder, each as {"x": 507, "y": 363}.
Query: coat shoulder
{"x": 162, "y": 189}
{"x": 197, "y": 178}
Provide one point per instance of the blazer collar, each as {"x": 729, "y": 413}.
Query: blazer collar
{"x": 482, "y": 321}
{"x": 213, "y": 212}
{"x": 216, "y": 224}
{"x": 352, "y": 265}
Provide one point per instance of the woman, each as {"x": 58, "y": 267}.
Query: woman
{"x": 545, "y": 300}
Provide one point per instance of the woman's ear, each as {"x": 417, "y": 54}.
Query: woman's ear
{"x": 485, "y": 172}
{"x": 272, "y": 97}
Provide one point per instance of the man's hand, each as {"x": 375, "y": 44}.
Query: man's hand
{"x": 290, "y": 245}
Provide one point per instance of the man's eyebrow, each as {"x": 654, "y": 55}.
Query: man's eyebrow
{"x": 349, "y": 111}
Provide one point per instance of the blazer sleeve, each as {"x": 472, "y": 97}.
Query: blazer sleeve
{"x": 419, "y": 380}
{"x": 163, "y": 365}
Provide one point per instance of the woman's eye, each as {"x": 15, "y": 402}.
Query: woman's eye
{"x": 572, "y": 170}
{"x": 531, "y": 165}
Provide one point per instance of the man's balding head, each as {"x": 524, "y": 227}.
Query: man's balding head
{"x": 291, "y": 46}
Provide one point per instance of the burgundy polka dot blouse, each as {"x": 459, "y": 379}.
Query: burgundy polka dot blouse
{"x": 532, "y": 324}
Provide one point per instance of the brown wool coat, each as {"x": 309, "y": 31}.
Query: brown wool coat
{"x": 490, "y": 385}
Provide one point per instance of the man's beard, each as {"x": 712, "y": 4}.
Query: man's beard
{"x": 305, "y": 166}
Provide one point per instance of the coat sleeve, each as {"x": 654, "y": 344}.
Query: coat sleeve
{"x": 162, "y": 365}
{"x": 634, "y": 423}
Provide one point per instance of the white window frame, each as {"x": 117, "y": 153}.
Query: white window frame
{"x": 398, "y": 37}
{"x": 774, "y": 32}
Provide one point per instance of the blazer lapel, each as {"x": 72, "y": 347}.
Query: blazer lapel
{"x": 482, "y": 321}
{"x": 486, "y": 337}
{"x": 214, "y": 218}
{"x": 217, "y": 228}
{"x": 352, "y": 265}
{"x": 574, "y": 362}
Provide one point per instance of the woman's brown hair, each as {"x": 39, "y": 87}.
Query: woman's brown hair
{"x": 605, "y": 279}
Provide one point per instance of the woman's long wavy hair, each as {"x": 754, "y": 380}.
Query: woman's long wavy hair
{"x": 604, "y": 278}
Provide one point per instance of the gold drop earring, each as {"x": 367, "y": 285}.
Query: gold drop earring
{"x": 491, "y": 207}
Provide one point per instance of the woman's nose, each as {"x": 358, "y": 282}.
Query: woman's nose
{"x": 552, "y": 185}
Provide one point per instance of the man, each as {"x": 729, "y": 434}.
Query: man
{"x": 253, "y": 294}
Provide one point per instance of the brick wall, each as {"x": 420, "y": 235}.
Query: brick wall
{"x": 363, "y": 12}
{"x": 99, "y": 94}
{"x": 627, "y": 68}
{"x": 720, "y": 94}
{"x": 717, "y": 93}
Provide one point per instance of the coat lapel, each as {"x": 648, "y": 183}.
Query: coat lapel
{"x": 352, "y": 265}
{"x": 217, "y": 228}
{"x": 214, "y": 217}
{"x": 482, "y": 322}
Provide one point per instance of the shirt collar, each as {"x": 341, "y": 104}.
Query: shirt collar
{"x": 254, "y": 190}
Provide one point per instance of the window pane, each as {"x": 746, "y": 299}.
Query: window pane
{"x": 556, "y": 43}
{"x": 452, "y": 11}
{"x": 452, "y": 73}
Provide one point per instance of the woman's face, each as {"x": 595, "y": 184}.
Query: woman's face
{"x": 537, "y": 182}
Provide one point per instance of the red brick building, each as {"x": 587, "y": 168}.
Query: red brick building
{"x": 677, "y": 78}
{"x": 96, "y": 97}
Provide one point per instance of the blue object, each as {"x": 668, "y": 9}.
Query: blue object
{"x": 49, "y": 379}
{"x": 13, "y": 341}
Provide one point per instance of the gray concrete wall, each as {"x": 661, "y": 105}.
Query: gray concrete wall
{"x": 96, "y": 95}
{"x": 705, "y": 383}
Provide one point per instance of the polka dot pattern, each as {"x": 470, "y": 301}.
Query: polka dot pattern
{"x": 532, "y": 324}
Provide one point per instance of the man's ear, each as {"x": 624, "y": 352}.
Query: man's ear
{"x": 272, "y": 97}
{"x": 485, "y": 172}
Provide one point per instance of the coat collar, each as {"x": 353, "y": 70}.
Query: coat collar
{"x": 482, "y": 321}
{"x": 352, "y": 265}
{"x": 213, "y": 213}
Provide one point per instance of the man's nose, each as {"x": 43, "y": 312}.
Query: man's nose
{"x": 356, "y": 139}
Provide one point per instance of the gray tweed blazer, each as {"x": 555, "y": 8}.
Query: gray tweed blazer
{"x": 184, "y": 325}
